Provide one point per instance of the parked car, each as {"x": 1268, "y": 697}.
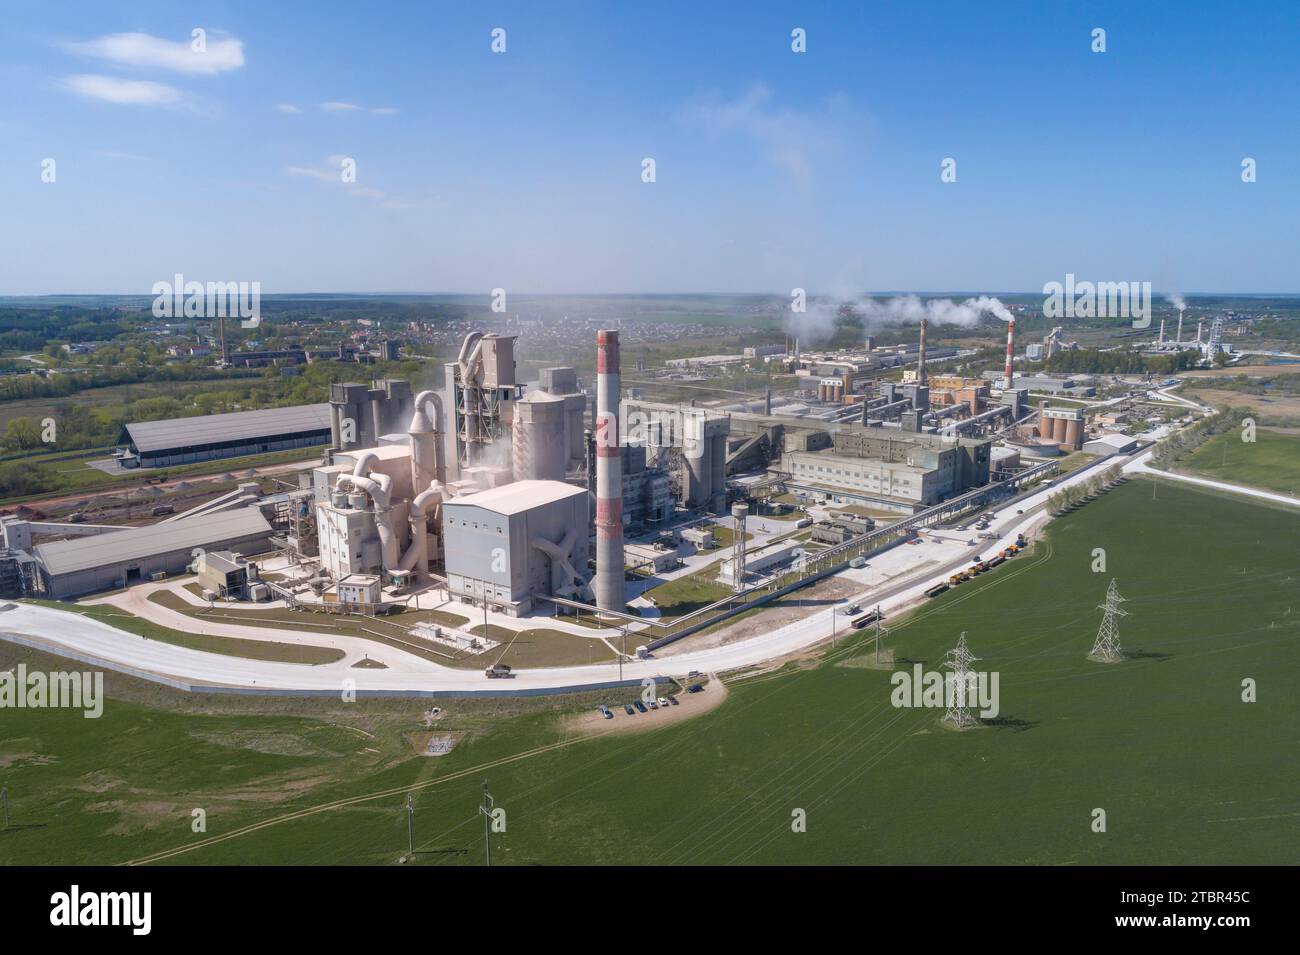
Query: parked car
{"x": 673, "y": 700}
{"x": 640, "y": 706}
{"x": 627, "y": 708}
{"x": 604, "y": 711}
{"x": 652, "y": 704}
{"x": 663, "y": 703}
{"x": 695, "y": 688}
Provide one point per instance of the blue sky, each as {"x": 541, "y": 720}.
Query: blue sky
{"x": 522, "y": 170}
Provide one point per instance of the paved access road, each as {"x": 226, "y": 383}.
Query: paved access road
{"x": 80, "y": 637}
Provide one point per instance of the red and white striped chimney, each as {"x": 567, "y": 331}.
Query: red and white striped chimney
{"x": 1011, "y": 338}
{"x": 609, "y": 476}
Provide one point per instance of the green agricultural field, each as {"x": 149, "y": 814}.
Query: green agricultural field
{"x": 1185, "y": 771}
{"x": 1272, "y": 461}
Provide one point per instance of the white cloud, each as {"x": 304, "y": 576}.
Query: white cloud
{"x": 287, "y": 108}
{"x": 112, "y": 89}
{"x": 222, "y": 53}
{"x": 786, "y": 138}
{"x": 342, "y": 107}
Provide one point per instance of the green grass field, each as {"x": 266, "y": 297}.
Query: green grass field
{"x": 1272, "y": 461}
{"x": 1185, "y": 771}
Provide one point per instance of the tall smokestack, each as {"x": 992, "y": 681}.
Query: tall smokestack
{"x": 920, "y": 356}
{"x": 1162, "y": 332}
{"x": 1179, "y": 338}
{"x": 1011, "y": 339}
{"x": 1198, "y": 331}
{"x": 609, "y": 476}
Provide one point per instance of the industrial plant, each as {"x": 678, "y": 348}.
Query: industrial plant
{"x": 562, "y": 496}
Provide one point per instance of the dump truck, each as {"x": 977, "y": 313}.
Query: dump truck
{"x": 497, "y": 671}
{"x": 937, "y": 589}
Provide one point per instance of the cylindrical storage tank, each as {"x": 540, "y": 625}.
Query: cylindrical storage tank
{"x": 718, "y": 471}
{"x": 740, "y": 511}
{"x": 1074, "y": 434}
{"x": 537, "y": 437}
{"x": 357, "y": 500}
{"x": 1044, "y": 423}
{"x": 1058, "y": 430}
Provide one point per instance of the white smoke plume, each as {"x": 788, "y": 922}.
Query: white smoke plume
{"x": 1176, "y": 299}
{"x": 818, "y": 322}
{"x": 939, "y": 311}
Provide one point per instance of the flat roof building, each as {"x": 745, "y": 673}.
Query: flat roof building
{"x": 510, "y": 544}
{"x": 239, "y": 433}
{"x": 69, "y": 568}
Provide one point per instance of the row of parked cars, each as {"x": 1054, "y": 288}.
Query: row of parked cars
{"x": 640, "y": 706}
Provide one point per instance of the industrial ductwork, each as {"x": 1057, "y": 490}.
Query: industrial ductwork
{"x": 561, "y": 556}
{"x": 378, "y": 488}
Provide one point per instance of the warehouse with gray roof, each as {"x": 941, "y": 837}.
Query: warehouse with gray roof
{"x": 68, "y": 568}
{"x": 207, "y": 437}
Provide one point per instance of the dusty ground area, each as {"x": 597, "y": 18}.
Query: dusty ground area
{"x": 1283, "y": 406}
{"x": 691, "y": 705}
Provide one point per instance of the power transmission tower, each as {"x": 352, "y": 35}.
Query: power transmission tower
{"x": 410, "y": 825}
{"x": 486, "y": 811}
{"x": 1107, "y": 649}
{"x": 958, "y": 660}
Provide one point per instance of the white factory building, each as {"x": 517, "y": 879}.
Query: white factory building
{"x": 511, "y": 544}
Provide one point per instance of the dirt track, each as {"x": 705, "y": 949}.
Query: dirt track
{"x": 691, "y": 706}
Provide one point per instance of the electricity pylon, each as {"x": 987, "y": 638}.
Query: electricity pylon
{"x": 958, "y": 660}
{"x": 1106, "y": 649}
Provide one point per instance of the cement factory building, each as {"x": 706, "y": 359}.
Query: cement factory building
{"x": 120, "y": 558}
{"x": 517, "y": 542}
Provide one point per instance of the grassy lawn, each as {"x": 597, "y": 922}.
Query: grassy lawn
{"x": 690, "y": 593}
{"x": 390, "y": 630}
{"x": 1186, "y": 772}
{"x": 1272, "y": 461}
{"x": 1072, "y": 462}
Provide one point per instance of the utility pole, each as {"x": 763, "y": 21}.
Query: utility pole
{"x": 486, "y": 810}
{"x": 410, "y": 826}
{"x": 878, "y": 633}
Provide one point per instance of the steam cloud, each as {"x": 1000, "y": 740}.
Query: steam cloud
{"x": 1177, "y": 300}
{"x": 818, "y": 322}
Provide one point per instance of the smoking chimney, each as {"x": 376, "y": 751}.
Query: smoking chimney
{"x": 1162, "y": 332}
{"x": 609, "y": 476}
{"x": 1179, "y": 338}
{"x": 920, "y": 356}
{"x": 1011, "y": 338}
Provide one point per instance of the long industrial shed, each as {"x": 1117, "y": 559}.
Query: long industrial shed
{"x": 207, "y": 437}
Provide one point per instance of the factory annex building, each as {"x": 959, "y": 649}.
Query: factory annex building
{"x": 206, "y": 437}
